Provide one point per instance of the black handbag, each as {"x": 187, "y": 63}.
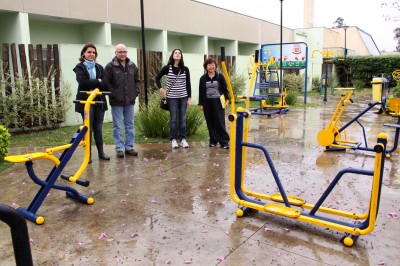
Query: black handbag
{"x": 164, "y": 104}
{"x": 163, "y": 101}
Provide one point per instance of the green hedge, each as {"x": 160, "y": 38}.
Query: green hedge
{"x": 364, "y": 68}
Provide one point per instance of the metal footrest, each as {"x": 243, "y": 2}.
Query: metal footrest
{"x": 296, "y": 201}
{"x": 281, "y": 210}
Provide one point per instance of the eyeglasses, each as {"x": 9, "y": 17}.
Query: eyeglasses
{"x": 122, "y": 52}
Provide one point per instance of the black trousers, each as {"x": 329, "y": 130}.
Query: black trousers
{"x": 215, "y": 119}
{"x": 96, "y": 122}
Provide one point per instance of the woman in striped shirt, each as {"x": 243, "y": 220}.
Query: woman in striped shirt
{"x": 178, "y": 94}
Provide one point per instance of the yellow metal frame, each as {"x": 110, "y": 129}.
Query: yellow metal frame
{"x": 326, "y": 137}
{"x": 48, "y": 154}
{"x": 297, "y": 204}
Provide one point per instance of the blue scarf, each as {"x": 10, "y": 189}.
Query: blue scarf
{"x": 90, "y": 66}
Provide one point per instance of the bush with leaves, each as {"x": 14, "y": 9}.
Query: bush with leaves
{"x": 153, "y": 122}
{"x": 316, "y": 83}
{"x": 238, "y": 82}
{"x": 358, "y": 84}
{"x": 293, "y": 82}
{"x": 291, "y": 98}
{"x": 33, "y": 104}
{"x": 4, "y": 142}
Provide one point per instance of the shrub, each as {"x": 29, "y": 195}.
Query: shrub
{"x": 4, "y": 142}
{"x": 358, "y": 84}
{"x": 293, "y": 82}
{"x": 238, "y": 82}
{"x": 396, "y": 92}
{"x": 315, "y": 84}
{"x": 33, "y": 104}
{"x": 291, "y": 98}
{"x": 153, "y": 122}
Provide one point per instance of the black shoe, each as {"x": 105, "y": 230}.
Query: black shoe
{"x": 120, "y": 154}
{"x": 226, "y": 147}
{"x": 131, "y": 152}
{"x": 104, "y": 156}
{"x": 212, "y": 145}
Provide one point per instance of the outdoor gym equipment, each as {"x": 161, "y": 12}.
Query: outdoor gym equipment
{"x": 334, "y": 137}
{"x": 327, "y": 59}
{"x": 266, "y": 88}
{"x": 19, "y": 235}
{"x": 80, "y": 138}
{"x": 291, "y": 206}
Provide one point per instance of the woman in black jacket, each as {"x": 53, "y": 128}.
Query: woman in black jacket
{"x": 212, "y": 86}
{"x": 89, "y": 76}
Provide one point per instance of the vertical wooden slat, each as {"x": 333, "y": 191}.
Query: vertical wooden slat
{"x": 57, "y": 70}
{"x": 31, "y": 60}
{"x": 14, "y": 60}
{"x": 48, "y": 61}
{"x": 6, "y": 67}
{"x": 24, "y": 66}
{"x": 39, "y": 53}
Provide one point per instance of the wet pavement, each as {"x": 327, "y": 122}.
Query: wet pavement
{"x": 172, "y": 207}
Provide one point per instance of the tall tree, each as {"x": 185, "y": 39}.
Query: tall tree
{"x": 396, "y": 32}
{"x": 339, "y": 22}
{"x": 392, "y": 10}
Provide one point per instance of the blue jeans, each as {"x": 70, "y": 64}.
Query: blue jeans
{"x": 125, "y": 114}
{"x": 177, "y": 107}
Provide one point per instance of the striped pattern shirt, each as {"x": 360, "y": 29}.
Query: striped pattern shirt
{"x": 177, "y": 84}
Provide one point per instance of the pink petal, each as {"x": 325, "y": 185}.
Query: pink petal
{"x": 221, "y": 259}
{"x": 227, "y": 232}
{"x": 381, "y": 262}
{"x": 187, "y": 261}
{"x": 266, "y": 229}
{"x": 103, "y": 235}
{"x": 392, "y": 215}
{"x": 134, "y": 235}
{"x": 286, "y": 229}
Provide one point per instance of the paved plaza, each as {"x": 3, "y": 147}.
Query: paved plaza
{"x": 173, "y": 207}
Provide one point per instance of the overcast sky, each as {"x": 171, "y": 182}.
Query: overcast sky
{"x": 365, "y": 14}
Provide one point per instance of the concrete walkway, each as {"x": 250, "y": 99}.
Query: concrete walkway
{"x": 172, "y": 207}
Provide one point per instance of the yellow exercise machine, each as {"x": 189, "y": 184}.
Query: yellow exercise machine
{"x": 351, "y": 223}
{"x": 334, "y": 137}
{"x": 80, "y": 138}
{"x": 266, "y": 88}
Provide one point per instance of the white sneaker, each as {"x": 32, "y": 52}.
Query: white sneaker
{"x": 184, "y": 144}
{"x": 174, "y": 144}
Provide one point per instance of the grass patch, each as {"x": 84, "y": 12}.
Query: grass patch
{"x": 57, "y": 137}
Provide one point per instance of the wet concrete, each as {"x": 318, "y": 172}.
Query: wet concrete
{"x": 172, "y": 207}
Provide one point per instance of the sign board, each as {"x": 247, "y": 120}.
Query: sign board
{"x": 294, "y": 54}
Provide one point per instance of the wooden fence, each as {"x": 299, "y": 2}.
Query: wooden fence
{"x": 40, "y": 66}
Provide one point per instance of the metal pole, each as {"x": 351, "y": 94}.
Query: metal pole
{"x": 345, "y": 56}
{"x": 281, "y": 63}
{"x": 144, "y": 54}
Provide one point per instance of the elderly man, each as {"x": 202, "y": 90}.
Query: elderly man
{"x": 121, "y": 77}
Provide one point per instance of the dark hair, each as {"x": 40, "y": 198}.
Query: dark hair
{"x": 171, "y": 59}
{"x": 85, "y": 47}
{"x": 208, "y": 61}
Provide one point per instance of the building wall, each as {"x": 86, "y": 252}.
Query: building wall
{"x": 198, "y": 30}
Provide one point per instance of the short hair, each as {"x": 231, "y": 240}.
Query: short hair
{"x": 85, "y": 47}
{"x": 209, "y": 61}
{"x": 171, "y": 59}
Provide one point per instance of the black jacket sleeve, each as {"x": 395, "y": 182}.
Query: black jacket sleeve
{"x": 163, "y": 72}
